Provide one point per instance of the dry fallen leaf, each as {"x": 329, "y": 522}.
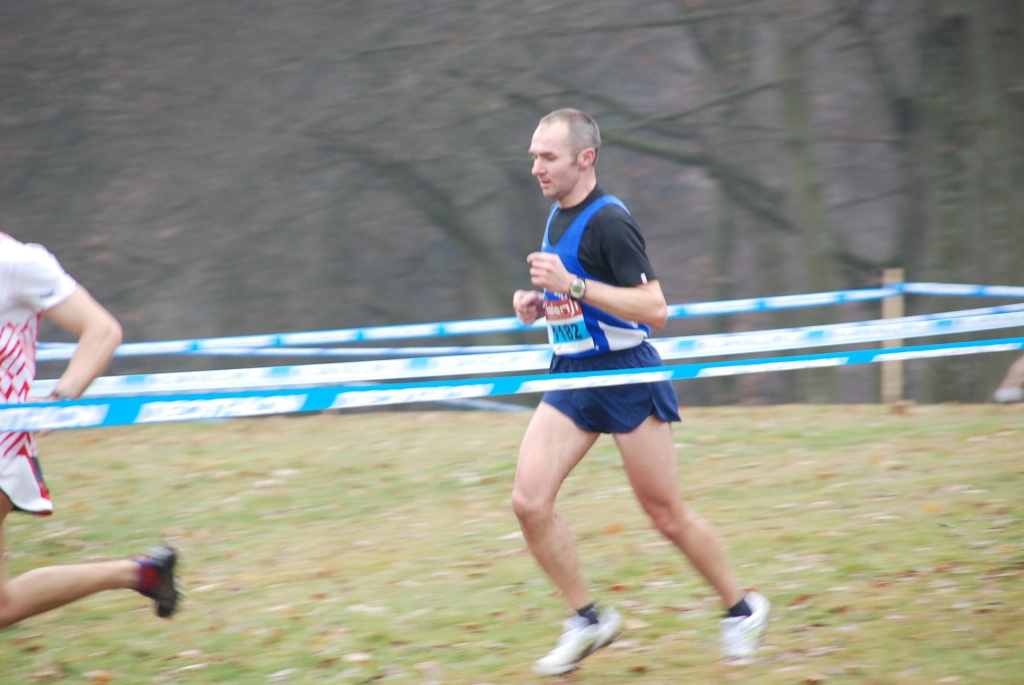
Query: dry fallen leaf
{"x": 802, "y": 600}
{"x": 47, "y": 674}
{"x": 358, "y": 657}
{"x": 99, "y": 677}
{"x": 429, "y": 669}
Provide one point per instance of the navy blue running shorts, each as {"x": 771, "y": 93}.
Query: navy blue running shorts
{"x": 618, "y": 408}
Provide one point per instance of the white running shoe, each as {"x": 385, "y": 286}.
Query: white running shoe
{"x": 1007, "y": 395}
{"x": 741, "y": 635}
{"x": 579, "y": 639}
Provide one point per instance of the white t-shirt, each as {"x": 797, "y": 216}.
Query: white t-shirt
{"x": 31, "y": 281}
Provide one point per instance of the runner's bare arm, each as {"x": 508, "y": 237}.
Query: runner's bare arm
{"x": 99, "y": 334}
{"x": 644, "y": 303}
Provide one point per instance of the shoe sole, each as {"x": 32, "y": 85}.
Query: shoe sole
{"x": 168, "y": 592}
{"x": 740, "y": 659}
{"x": 573, "y": 666}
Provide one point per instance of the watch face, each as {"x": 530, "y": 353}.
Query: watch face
{"x": 578, "y": 288}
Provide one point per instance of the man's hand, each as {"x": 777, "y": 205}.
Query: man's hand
{"x": 529, "y": 305}
{"x": 548, "y": 272}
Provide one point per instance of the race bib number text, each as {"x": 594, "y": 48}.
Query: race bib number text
{"x": 567, "y": 331}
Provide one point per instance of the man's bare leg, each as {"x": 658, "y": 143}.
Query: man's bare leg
{"x": 551, "y": 448}
{"x": 648, "y": 454}
{"x": 43, "y": 589}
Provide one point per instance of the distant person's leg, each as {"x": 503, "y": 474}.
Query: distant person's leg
{"x": 1011, "y": 389}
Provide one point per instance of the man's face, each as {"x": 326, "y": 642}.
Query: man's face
{"x": 554, "y": 163}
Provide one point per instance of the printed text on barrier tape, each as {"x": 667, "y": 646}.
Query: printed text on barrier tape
{"x": 122, "y": 411}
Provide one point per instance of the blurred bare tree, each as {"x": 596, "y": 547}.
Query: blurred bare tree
{"x": 323, "y": 164}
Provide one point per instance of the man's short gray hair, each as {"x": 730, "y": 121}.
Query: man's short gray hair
{"x": 583, "y": 130}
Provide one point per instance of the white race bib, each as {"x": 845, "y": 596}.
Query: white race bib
{"x": 567, "y": 332}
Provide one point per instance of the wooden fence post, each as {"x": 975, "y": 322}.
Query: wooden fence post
{"x": 892, "y": 371}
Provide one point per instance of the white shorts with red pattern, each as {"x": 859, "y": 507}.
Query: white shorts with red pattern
{"x": 21, "y": 479}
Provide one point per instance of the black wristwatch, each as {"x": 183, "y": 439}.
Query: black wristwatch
{"x": 578, "y": 288}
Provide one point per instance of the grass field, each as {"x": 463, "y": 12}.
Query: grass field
{"x": 381, "y": 547}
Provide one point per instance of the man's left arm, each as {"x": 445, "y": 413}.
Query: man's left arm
{"x": 643, "y": 303}
{"x": 628, "y": 287}
{"x": 99, "y": 334}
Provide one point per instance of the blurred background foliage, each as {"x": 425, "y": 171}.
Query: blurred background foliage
{"x": 209, "y": 167}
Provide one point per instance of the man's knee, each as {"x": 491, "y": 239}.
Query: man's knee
{"x": 673, "y": 521}
{"x": 6, "y": 616}
{"x": 530, "y": 509}
{"x": 522, "y": 504}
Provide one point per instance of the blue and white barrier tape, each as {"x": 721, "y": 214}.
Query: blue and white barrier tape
{"x": 760, "y": 304}
{"x": 411, "y": 351}
{"x": 539, "y": 357}
{"x": 62, "y": 351}
{"x": 465, "y": 327}
{"x": 122, "y": 411}
{"x": 960, "y": 289}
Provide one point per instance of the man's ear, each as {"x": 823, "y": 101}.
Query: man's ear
{"x": 587, "y": 158}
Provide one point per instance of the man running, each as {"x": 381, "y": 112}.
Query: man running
{"x": 33, "y": 285}
{"x": 600, "y": 297}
